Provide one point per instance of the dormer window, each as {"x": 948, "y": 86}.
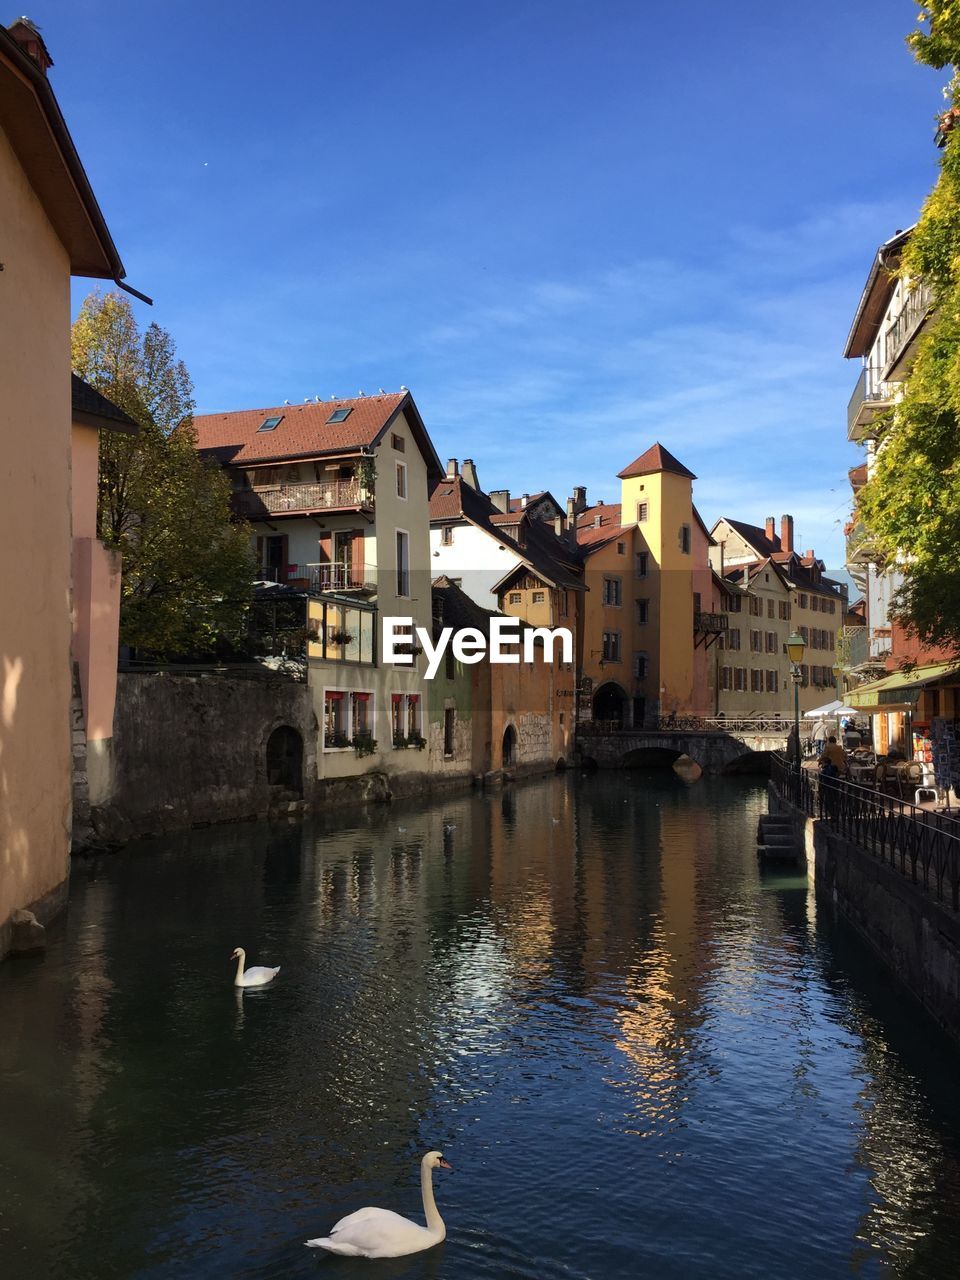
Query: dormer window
{"x": 339, "y": 415}
{"x": 270, "y": 424}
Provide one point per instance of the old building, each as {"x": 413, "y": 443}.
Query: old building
{"x": 336, "y": 493}
{"x": 640, "y": 561}
{"x": 51, "y": 228}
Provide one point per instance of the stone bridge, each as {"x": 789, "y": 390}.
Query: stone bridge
{"x": 717, "y": 746}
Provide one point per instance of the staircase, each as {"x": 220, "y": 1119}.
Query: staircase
{"x": 777, "y": 840}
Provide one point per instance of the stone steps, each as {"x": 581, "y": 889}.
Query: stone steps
{"x": 777, "y": 839}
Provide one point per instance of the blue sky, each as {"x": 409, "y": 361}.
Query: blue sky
{"x": 570, "y": 228}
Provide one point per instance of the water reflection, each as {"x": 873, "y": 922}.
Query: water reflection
{"x": 584, "y": 989}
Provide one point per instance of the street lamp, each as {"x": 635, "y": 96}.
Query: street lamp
{"x": 795, "y": 650}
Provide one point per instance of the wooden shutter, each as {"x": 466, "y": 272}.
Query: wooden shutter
{"x": 356, "y": 557}
{"x": 325, "y": 548}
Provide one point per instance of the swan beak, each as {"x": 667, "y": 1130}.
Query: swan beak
{"x": 442, "y": 1164}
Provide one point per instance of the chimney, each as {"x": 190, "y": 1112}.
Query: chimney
{"x": 452, "y": 469}
{"x": 579, "y": 498}
{"x": 770, "y": 529}
{"x": 499, "y": 497}
{"x": 559, "y": 525}
{"x": 30, "y": 40}
{"x": 809, "y": 555}
{"x": 469, "y": 474}
{"x": 525, "y": 498}
{"x": 786, "y": 533}
{"x": 571, "y": 512}
{"x": 597, "y": 521}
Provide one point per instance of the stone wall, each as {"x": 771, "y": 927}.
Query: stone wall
{"x": 190, "y": 750}
{"x": 917, "y": 937}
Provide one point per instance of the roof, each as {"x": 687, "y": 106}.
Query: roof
{"x": 92, "y": 409}
{"x": 457, "y": 609}
{"x": 31, "y": 119}
{"x": 753, "y": 536}
{"x": 516, "y": 504}
{"x": 734, "y": 574}
{"x": 305, "y": 431}
{"x": 900, "y": 690}
{"x": 656, "y": 458}
{"x": 876, "y": 295}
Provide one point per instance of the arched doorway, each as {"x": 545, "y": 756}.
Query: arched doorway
{"x": 509, "y": 756}
{"x": 285, "y": 759}
{"x": 610, "y": 704}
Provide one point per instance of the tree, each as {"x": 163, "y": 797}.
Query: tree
{"x": 187, "y": 569}
{"x": 912, "y": 502}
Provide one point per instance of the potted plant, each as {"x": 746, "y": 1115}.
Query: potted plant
{"x": 340, "y": 637}
{"x": 399, "y": 741}
{"x": 364, "y": 744}
{"x": 336, "y": 740}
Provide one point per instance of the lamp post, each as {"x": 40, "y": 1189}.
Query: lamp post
{"x": 795, "y": 649}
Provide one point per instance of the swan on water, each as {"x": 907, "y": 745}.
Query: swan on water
{"x": 381, "y": 1233}
{"x": 257, "y": 975}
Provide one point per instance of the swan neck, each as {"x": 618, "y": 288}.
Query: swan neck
{"x": 241, "y": 957}
{"x": 431, "y": 1213}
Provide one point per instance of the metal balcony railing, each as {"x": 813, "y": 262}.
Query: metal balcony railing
{"x": 861, "y": 548}
{"x": 863, "y": 646}
{"x": 870, "y": 397}
{"x": 906, "y": 324}
{"x": 342, "y": 577}
{"x": 710, "y": 622}
{"x": 281, "y": 499}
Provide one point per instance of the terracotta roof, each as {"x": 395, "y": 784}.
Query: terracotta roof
{"x": 876, "y": 295}
{"x": 609, "y": 513}
{"x": 305, "y": 431}
{"x": 756, "y": 537}
{"x": 656, "y": 458}
{"x": 516, "y": 504}
{"x": 95, "y": 410}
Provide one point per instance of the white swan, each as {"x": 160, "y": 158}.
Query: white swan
{"x": 381, "y": 1233}
{"x": 256, "y": 976}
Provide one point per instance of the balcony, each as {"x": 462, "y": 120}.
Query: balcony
{"x": 859, "y": 648}
{"x": 708, "y": 628}
{"x": 871, "y": 397}
{"x": 861, "y": 545}
{"x": 300, "y": 499}
{"x": 323, "y": 579}
{"x": 900, "y": 342}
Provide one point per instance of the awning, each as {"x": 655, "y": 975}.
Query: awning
{"x": 901, "y": 690}
{"x": 829, "y": 710}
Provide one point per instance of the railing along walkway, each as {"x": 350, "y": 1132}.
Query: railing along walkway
{"x": 922, "y": 845}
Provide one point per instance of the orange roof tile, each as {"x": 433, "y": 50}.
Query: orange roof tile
{"x": 656, "y": 458}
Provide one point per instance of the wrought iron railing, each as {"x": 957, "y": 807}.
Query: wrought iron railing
{"x": 916, "y": 842}
{"x": 758, "y": 726}
{"x": 280, "y": 499}
{"x": 908, "y": 321}
{"x": 710, "y": 622}
{"x": 341, "y": 577}
{"x": 863, "y": 646}
{"x": 871, "y": 393}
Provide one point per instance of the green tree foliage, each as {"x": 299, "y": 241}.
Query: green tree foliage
{"x": 912, "y": 501}
{"x": 187, "y": 570}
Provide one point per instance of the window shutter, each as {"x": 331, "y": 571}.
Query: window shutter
{"x": 325, "y": 547}
{"x": 356, "y": 556}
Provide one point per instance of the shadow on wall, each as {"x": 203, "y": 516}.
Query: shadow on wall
{"x": 756, "y": 762}
{"x": 285, "y": 759}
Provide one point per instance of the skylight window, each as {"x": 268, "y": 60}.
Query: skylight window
{"x": 270, "y": 424}
{"x": 340, "y": 415}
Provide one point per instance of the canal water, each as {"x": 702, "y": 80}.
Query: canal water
{"x": 643, "y": 1057}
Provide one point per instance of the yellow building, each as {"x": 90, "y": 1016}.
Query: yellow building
{"x": 638, "y": 646}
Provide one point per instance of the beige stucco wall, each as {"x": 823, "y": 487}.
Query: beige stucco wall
{"x": 35, "y": 683}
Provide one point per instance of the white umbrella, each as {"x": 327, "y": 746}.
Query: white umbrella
{"x": 832, "y": 711}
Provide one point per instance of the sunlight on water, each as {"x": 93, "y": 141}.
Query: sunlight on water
{"x": 642, "y": 1057}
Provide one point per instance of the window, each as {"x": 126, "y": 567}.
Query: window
{"x": 643, "y": 612}
{"x": 831, "y": 606}
{"x": 397, "y": 442}
{"x": 640, "y": 564}
{"x": 449, "y": 663}
{"x": 611, "y": 591}
{"x": 640, "y": 666}
{"x": 831, "y": 640}
{"x": 756, "y": 607}
{"x": 802, "y": 600}
{"x": 804, "y": 633}
{"x": 339, "y": 415}
{"x": 772, "y": 682}
{"x": 362, "y": 721}
{"x": 334, "y": 719}
{"x": 449, "y": 735}
{"x": 446, "y": 536}
{"x": 413, "y": 715}
{"x": 611, "y": 646}
{"x": 772, "y": 644}
{"x": 756, "y": 642}
{"x": 735, "y": 604}
{"x": 814, "y": 604}
{"x": 771, "y": 608}
{"x": 563, "y": 599}
{"x": 401, "y": 480}
{"x": 726, "y": 678}
{"x": 685, "y": 539}
{"x": 403, "y": 563}
{"x": 515, "y": 597}
{"x": 270, "y": 424}
{"x": 784, "y": 610}
{"x": 756, "y": 680}
{"x": 740, "y": 679}
{"x": 539, "y": 597}
{"x": 642, "y": 509}
{"x": 621, "y": 548}
{"x": 404, "y": 717}
{"x": 804, "y": 676}
{"x": 733, "y": 639}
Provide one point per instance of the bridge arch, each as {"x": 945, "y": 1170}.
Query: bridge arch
{"x": 610, "y": 704}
